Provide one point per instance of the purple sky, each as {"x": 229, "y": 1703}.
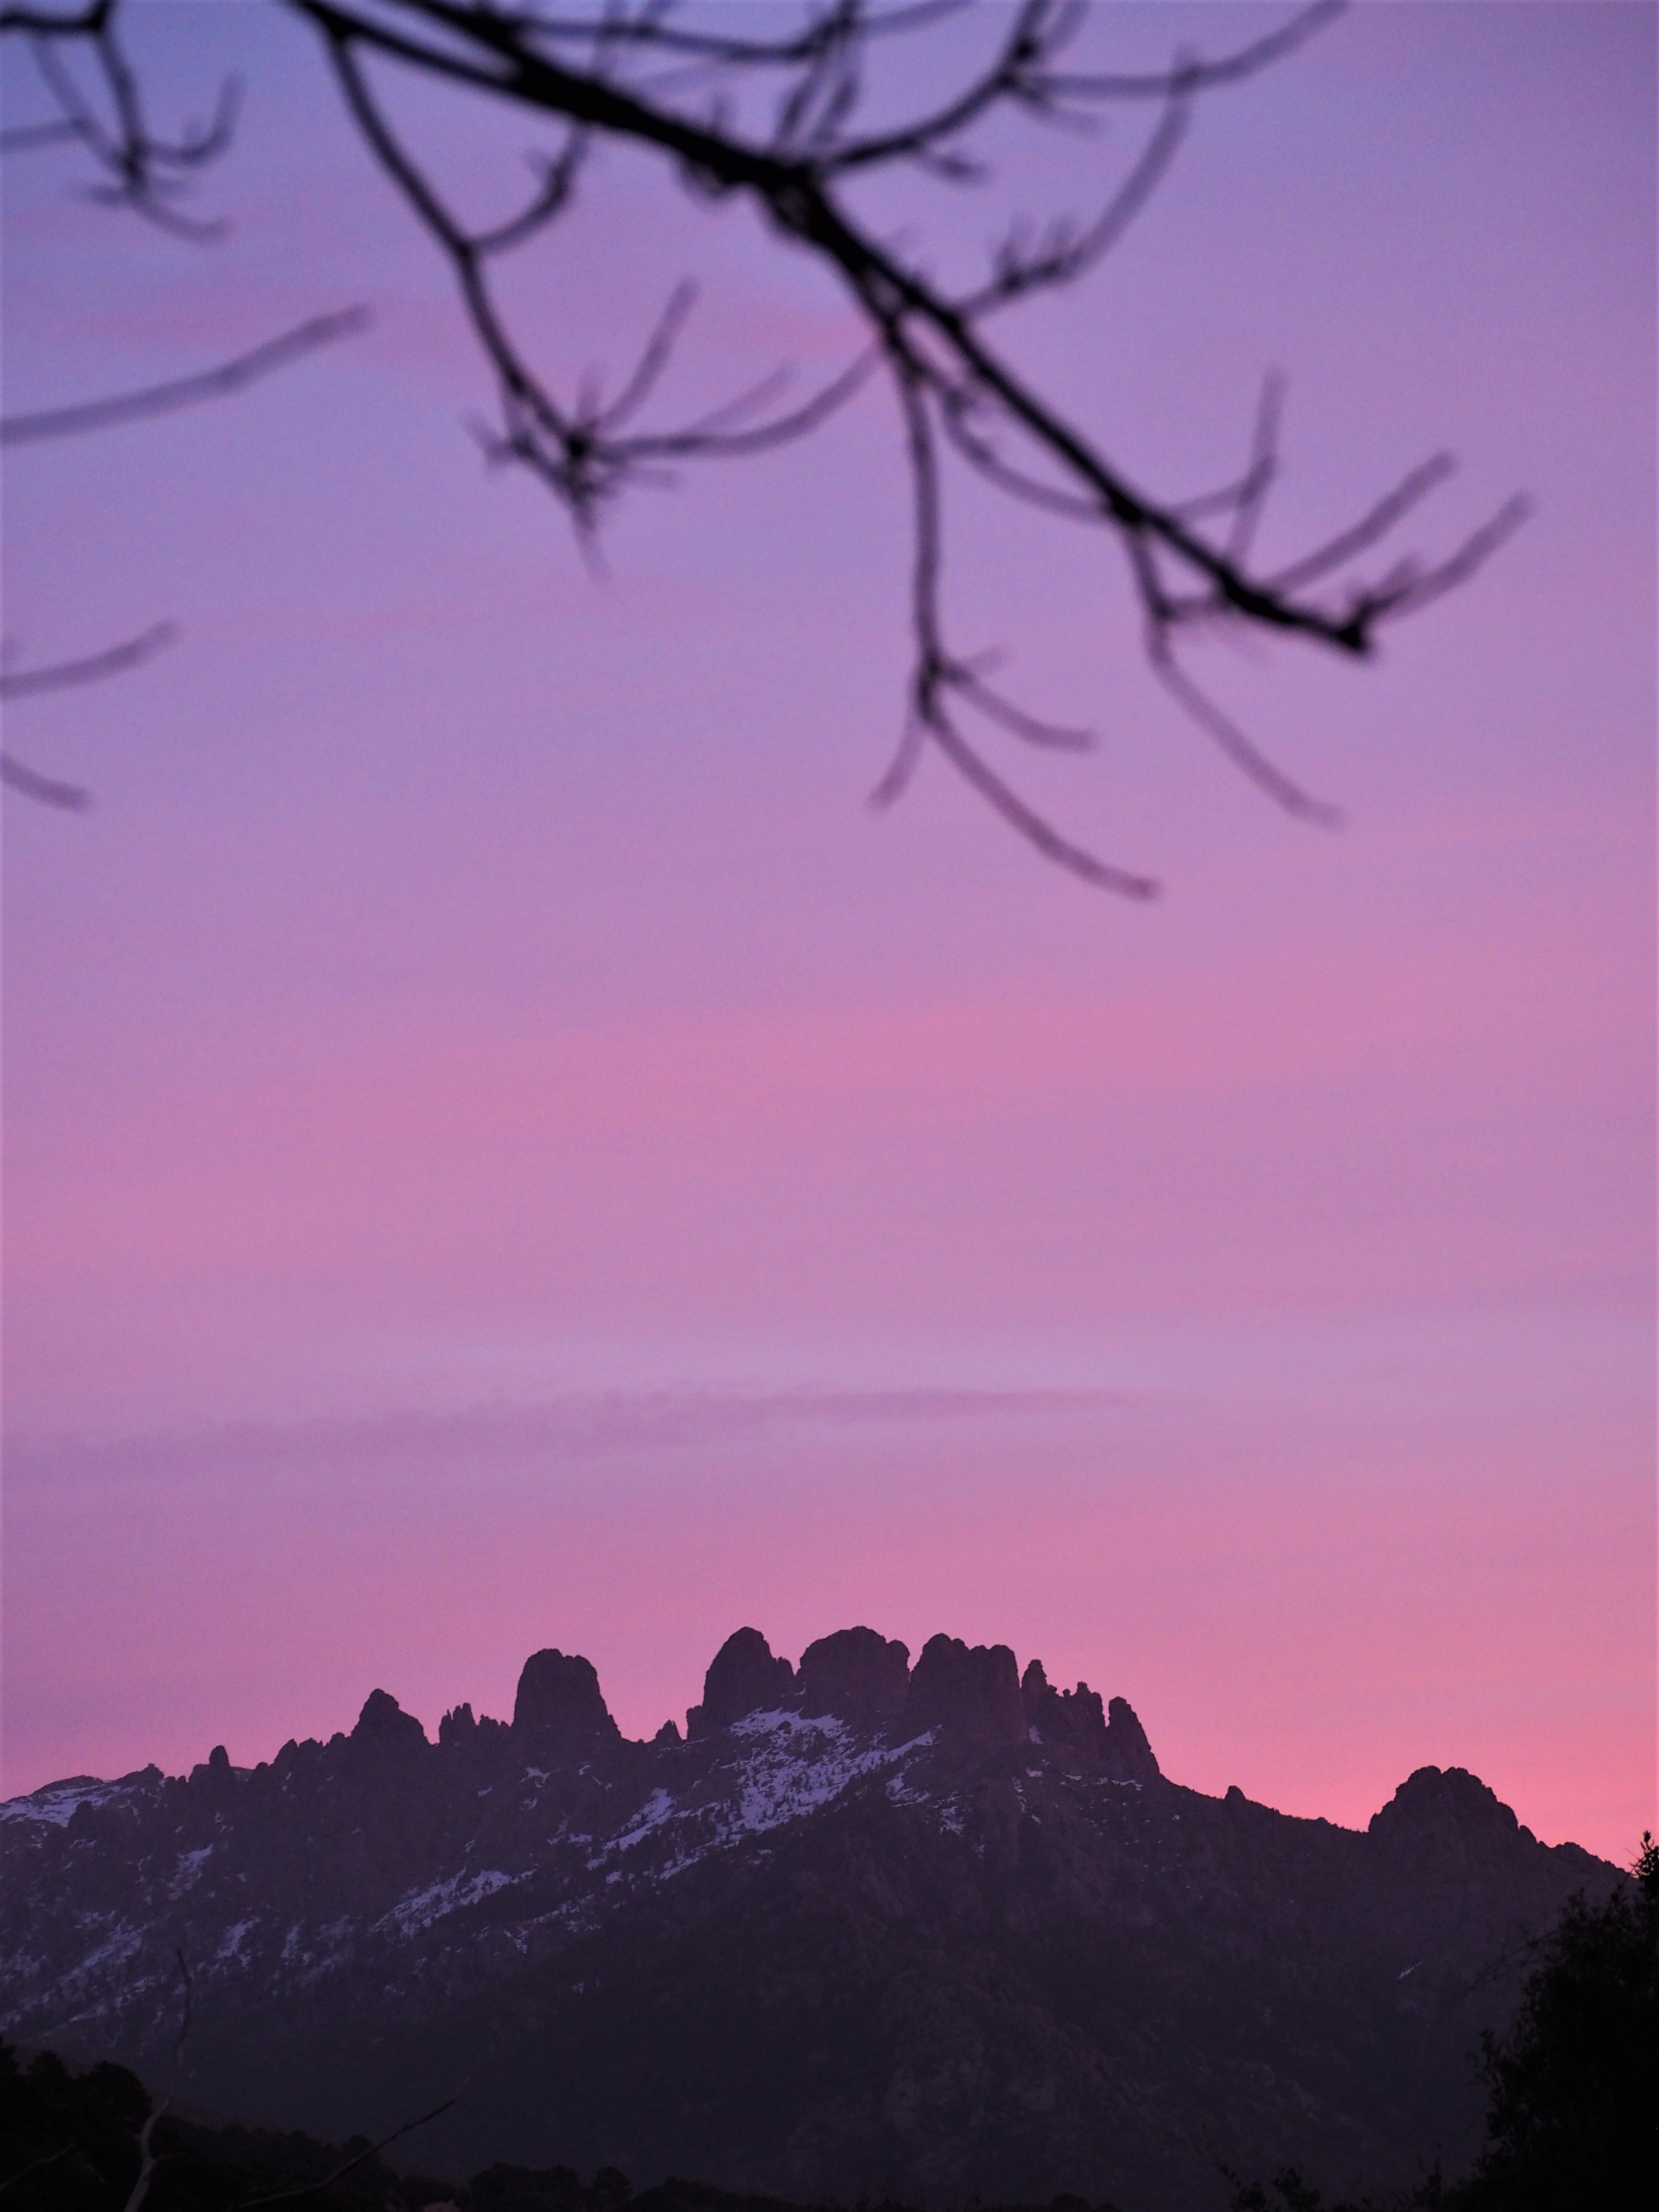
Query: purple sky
{"x": 503, "y": 1149}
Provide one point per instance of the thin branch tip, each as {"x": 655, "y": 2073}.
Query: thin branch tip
{"x": 772, "y": 112}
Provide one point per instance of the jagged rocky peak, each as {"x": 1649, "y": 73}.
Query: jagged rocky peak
{"x": 216, "y": 1776}
{"x": 1444, "y": 1810}
{"x": 969, "y": 1692}
{"x": 459, "y": 1730}
{"x": 973, "y": 1694}
{"x": 559, "y": 1711}
{"x": 383, "y": 1725}
{"x": 1076, "y": 1721}
{"x": 742, "y": 1677}
{"x": 1129, "y": 1754}
{"x": 457, "y": 1726}
{"x": 855, "y": 1675}
{"x": 1074, "y": 1718}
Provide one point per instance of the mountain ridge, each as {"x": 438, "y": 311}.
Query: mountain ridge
{"x": 865, "y": 1927}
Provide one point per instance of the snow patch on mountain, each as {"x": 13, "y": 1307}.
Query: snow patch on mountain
{"x": 785, "y": 1768}
{"x": 190, "y": 1869}
{"x": 233, "y": 1941}
{"x": 59, "y": 1802}
{"x": 421, "y": 1907}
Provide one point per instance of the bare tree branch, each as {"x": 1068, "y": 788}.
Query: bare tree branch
{"x": 125, "y": 407}
{"x": 111, "y": 413}
{"x": 56, "y": 22}
{"x": 1232, "y": 69}
{"x": 46, "y": 790}
{"x": 145, "y": 172}
{"x": 1068, "y": 255}
{"x": 30, "y": 137}
{"x": 639, "y": 73}
{"x": 50, "y": 2158}
{"x": 66, "y": 675}
{"x": 1250, "y": 497}
{"x": 1369, "y": 529}
{"x": 69, "y": 675}
{"x": 1249, "y": 759}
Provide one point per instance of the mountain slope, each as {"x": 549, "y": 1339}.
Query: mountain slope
{"x": 942, "y": 1931}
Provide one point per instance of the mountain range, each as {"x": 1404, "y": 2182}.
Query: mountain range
{"x": 862, "y": 1930}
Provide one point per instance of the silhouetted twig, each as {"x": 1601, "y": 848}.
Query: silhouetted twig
{"x": 69, "y": 675}
{"x": 234, "y": 376}
{"x": 686, "y": 90}
{"x": 141, "y": 171}
{"x": 598, "y": 74}
{"x": 46, "y": 790}
{"x": 66, "y": 675}
{"x": 116, "y": 411}
{"x": 49, "y": 2158}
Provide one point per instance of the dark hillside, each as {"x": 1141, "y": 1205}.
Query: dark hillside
{"x": 933, "y": 1933}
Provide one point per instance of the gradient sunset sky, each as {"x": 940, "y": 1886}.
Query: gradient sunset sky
{"x": 503, "y": 1149}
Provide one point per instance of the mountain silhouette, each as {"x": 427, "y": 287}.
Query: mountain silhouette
{"x": 866, "y": 1928}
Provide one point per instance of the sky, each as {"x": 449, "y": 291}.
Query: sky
{"x": 502, "y": 1147}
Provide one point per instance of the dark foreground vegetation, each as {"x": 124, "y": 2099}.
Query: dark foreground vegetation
{"x": 1572, "y": 2121}
{"x": 78, "y": 2143}
{"x": 1573, "y": 2112}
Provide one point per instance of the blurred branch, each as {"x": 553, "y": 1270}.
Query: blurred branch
{"x": 143, "y": 171}
{"x": 219, "y": 383}
{"x": 687, "y": 87}
{"x": 1187, "y": 562}
{"x": 64, "y": 676}
{"x": 123, "y": 407}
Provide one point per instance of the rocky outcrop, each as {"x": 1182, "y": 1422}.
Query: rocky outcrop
{"x": 1440, "y": 1822}
{"x": 1437, "y": 1802}
{"x": 458, "y": 1731}
{"x": 1129, "y": 1755}
{"x": 855, "y": 1674}
{"x": 216, "y": 1778}
{"x": 560, "y": 1712}
{"x": 1075, "y": 1718}
{"x": 1075, "y": 1721}
{"x": 969, "y": 1692}
{"x": 383, "y": 1725}
{"x": 742, "y": 1677}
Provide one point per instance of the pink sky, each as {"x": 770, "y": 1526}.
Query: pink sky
{"x": 501, "y": 1149}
